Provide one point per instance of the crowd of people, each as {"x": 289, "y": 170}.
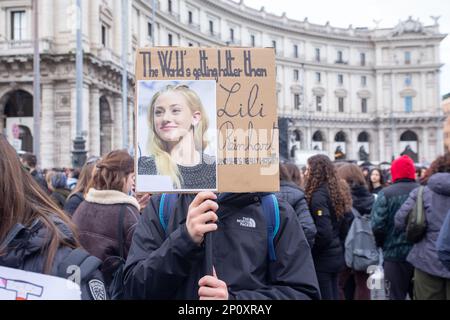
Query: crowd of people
{"x": 288, "y": 245}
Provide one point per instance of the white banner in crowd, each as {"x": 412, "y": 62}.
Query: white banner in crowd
{"x": 21, "y": 285}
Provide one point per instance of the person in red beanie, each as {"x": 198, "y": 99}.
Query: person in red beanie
{"x": 403, "y": 168}
{"x": 397, "y": 271}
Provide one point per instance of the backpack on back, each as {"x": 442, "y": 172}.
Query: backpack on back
{"x": 270, "y": 209}
{"x": 87, "y": 265}
{"x": 360, "y": 247}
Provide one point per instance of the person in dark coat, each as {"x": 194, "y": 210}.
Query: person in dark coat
{"x": 35, "y": 235}
{"x": 59, "y": 190}
{"x": 325, "y": 194}
{"x": 362, "y": 201}
{"x": 76, "y": 197}
{"x": 431, "y": 278}
{"x": 171, "y": 264}
{"x": 398, "y": 272}
{"x": 295, "y": 196}
{"x": 97, "y": 217}
{"x": 29, "y": 161}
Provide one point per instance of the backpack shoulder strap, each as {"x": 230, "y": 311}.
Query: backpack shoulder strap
{"x": 120, "y": 231}
{"x": 420, "y": 213}
{"x": 81, "y": 258}
{"x": 166, "y": 205}
{"x": 272, "y": 215}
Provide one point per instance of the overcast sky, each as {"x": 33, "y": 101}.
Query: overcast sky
{"x": 362, "y": 13}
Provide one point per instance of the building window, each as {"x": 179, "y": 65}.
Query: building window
{"x": 341, "y": 104}
{"x": 340, "y": 79}
{"x": 318, "y": 77}
{"x": 232, "y": 34}
{"x": 318, "y": 103}
{"x": 18, "y": 25}
{"x": 252, "y": 40}
{"x": 407, "y": 57}
{"x": 363, "y": 59}
{"x": 104, "y": 35}
{"x": 295, "y": 51}
{"x": 190, "y": 44}
{"x": 211, "y": 27}
{"x": 408, "y": 104}
{"x": 364, "y": 105}
{"x": 149, "y": 27}
{"x": 296, "y": 75}
{"x": 169, "y": 40}
{"x": 190, "y": 17}
{"x": 297, "y": 101}
{"x": 408, "y": 80}
{"x": 317, "y": 55}
{"x": 169, "y": 5}
{"x": 363, "y": 81}
{"x": 274, "y": 45}
{"x": 339, "y": 57}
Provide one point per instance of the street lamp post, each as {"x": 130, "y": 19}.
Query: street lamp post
{"x": 79, "y": 152}
{"x": 393, "y": 136}
{"x": 36, "y": 84}
{"x": 124, "y": 74}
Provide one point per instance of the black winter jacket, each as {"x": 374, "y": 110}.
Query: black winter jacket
{"x": 160, "y": 267}
{"x": 73, "y": 202}
{"x": 362, "y": 199}
{"x": 39, "y": 178}
{"x": 25, "y": 248}
{"x": 328, "y": 250}
{"x": 295, "y": 196}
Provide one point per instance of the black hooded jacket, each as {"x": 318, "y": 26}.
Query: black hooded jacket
{"x": 24, "y": 251}
{"x": 160, "y": 267}
{"x": 295, "y": 196}
{"x": 362, "y": 199}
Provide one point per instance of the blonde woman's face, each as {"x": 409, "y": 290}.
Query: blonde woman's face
{"x": 172, "y": 117}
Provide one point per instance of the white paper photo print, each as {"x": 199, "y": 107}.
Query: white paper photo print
{"x": 176, "y": 136}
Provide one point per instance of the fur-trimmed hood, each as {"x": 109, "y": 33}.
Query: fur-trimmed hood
{"x": 110, "y": 197}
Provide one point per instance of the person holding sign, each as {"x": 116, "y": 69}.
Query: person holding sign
{"x": 167, "y": 261}
{"x": 35, "y": 235}
{"x": 177, "y": 140}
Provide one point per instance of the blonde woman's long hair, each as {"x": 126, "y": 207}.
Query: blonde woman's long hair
{"x": 158, "y": 148}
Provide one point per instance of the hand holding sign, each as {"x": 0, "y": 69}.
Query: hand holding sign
{"x": 201, "y": 212}
{"x": 212, "y": 288}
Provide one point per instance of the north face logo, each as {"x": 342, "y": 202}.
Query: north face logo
{"x": 247, "y": 222}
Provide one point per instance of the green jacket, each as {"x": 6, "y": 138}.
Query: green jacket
{"x": 389, "y": 200}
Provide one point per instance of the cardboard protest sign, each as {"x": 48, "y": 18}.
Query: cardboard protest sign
{"x": 21, "y": 285}
{"x": 206, "y": 120}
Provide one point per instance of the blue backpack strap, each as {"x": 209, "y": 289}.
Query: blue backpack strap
{"x": 272, "y": 215}
{"x": 166, "y": 205}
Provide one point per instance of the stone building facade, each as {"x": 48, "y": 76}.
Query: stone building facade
{"x": 372, "y": 93}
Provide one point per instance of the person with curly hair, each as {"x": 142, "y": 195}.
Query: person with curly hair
{"x": 329, "y": 203}
{"x": 431, "y": 278}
